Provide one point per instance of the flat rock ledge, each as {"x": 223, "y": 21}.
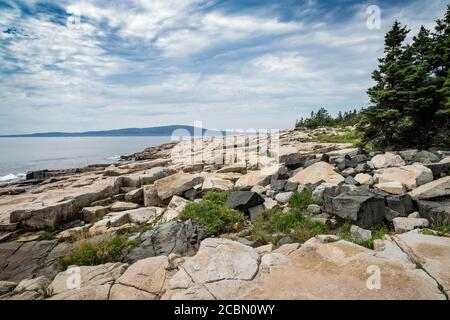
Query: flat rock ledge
{"x": 410, "y": 266}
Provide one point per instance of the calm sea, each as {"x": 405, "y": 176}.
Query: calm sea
{"x": 19, "y": 155}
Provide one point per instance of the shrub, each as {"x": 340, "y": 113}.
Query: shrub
{"x": 300, "y": 200}
{"x": 212, "y": 213}
{"x": 90, "y": 253}
{"x": 274, "y": 224}
{"x": 217, "y": 197}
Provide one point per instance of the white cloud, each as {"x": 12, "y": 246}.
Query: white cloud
{"x": 171, "y": 62}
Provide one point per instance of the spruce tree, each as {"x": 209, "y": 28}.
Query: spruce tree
{"x": 383, "y": 118}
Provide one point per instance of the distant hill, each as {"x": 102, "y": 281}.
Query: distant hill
{"x": 127, "y": 132}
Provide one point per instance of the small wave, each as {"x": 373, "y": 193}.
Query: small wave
{"x": 9, "y": 177}
{"x": 113, "y": 158}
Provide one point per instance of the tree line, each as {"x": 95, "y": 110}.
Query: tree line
{"x": 410, "y": 101}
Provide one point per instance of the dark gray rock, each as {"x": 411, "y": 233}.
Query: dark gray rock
{"x": 364, "y": 208}
{"x": 277, "y": 185}
{"x": 285, "y": 240}
{"x": 350, "y": 180}
{"x": 438, "y": 169}
{"x": 391, "y": 214}
{"x": 425, "y": 157}
{"x": 435, "y": 211}
{"x": 343, "y": 163}
{"x": 362, "y": 167}
{"x": 408, "y": 155}
{"x": 182, "y": 238}
{"x": 19, "y": 261}
{"x": 244, "y": 200}
{"x": 291, "y": 186}
{"x": 296, "y": 160}
{"x": 403, "y": 204}
{"x": 360, "y": 158}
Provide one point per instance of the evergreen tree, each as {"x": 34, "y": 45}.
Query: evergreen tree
{"x": 383, "y": 118}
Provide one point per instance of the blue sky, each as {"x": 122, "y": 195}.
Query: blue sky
{"x": 92, "y": 65}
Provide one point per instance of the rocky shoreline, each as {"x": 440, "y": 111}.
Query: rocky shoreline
{"x": 164, "y": 255}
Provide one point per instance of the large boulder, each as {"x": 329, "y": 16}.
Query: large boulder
{"x": 296, "y": 160}
{"x": 439, "y": 169}
{"x": 143, "y": 280}
{"x": 426, "y": 157}
{"x": 86, "y": 282}
{"x": 393, "y": 187}
{"x": 410, "y": 176}
{"x": 176, "y": 184}
{"x": 150, "y": 176}
{"x": 253, "y": 178}
{"x": 436, "y": 188}
{"x": 402, "y": 204}
{"x": 19, "y": 261}
{"x": 221, "y": 269}
{"x": 316, "y": 173}
{"x": 52, "y": 212}
{"x": 213, "y": 182}
{"x": 365, "y": 209}
{"x": 244, "y": 200}
{"x": 387, "y": 160}
{"x": 437, "y": 211}
{"x": 181, "y": 238}
{"x": 433, "y": 254}
{"x": 151, "y": 197}
{"x": 402, "y": 224}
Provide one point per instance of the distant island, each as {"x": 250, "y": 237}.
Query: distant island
{"x": 127, "y": 132}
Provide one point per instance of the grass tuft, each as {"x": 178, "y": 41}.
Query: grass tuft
{"x": 90, "y": 253}
{"x": 212, "y": 213}
{"x": 300, "y": 200}
{"x": 275, "y": 224}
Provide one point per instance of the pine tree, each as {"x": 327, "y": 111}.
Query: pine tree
{"x": 440, "y": 59}
{"x": 383, "y": 118}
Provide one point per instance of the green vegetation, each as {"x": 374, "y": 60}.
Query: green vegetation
{"x": 45, "y": 235}
{"x": 212, "y": 213}
{"x": 322, "y": 118}
{"x": 274, "y": 224}
{"x": 378, "y": 232}
{"x": 300, "y": 200}
{"x": 91, "y": 253}
{"x": 441, "y": 229}
{"x": 353, "y": 137}
{"x": 411, "y": 97}
{"x": 410, "y": 101}
{"x": 217, "y": 197}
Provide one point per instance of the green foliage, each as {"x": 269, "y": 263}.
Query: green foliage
{"x": 378, "y": 232}
{"x": 274, "y": 224}
{"x": 411, "y": 97}
{"x": 91, "y": 253}
{"x": 45, "y": 235}
{"x": 353, "y": 137}
{"x": 212, "y": 213}
{"x": 442, "y": 228}
{"x": 300, "y": 200}
{"x": 322, "y": 118}
{"x": 217, "y": 197}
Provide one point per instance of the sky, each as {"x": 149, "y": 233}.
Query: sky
{"x": 69, "y": 65}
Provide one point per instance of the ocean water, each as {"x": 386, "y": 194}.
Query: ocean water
{"x": 20, "y": 155}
